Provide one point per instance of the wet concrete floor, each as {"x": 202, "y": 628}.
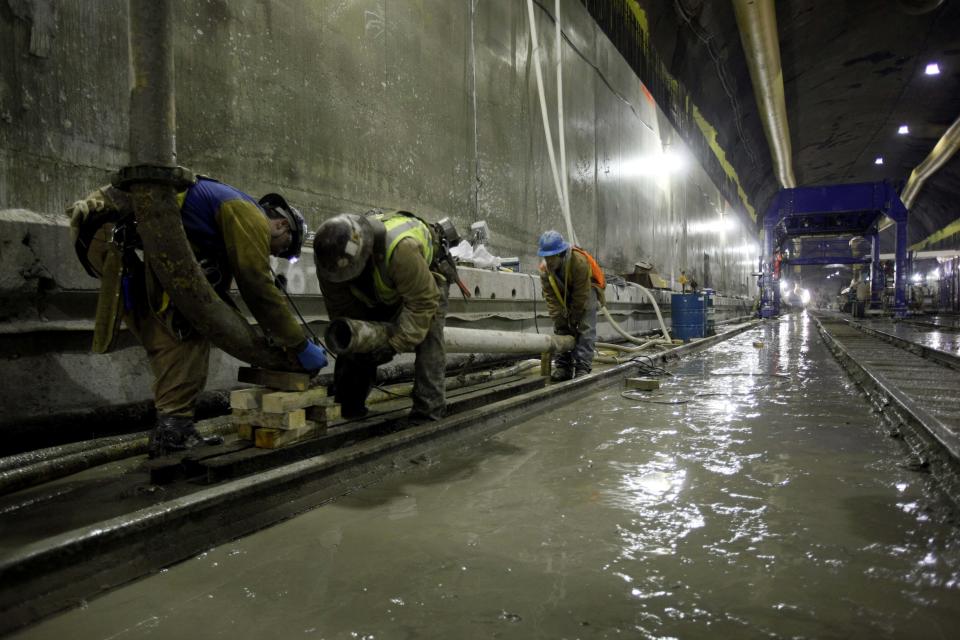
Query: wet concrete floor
{"x": 754, "y": 496}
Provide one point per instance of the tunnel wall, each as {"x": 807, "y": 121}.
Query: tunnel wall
{"x": 429, "y": 105}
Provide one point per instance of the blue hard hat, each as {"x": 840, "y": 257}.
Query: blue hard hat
{"x": 552, "y": 243}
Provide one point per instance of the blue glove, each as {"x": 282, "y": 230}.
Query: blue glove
{"x": 313, "y": 357}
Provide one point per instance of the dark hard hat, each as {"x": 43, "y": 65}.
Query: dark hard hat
{"x": 342, "y": 246}
{"x": 276, "y": 206}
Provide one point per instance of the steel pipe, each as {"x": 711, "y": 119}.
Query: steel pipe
{"x": 346, "y": 335}
{"x": 152, "y": 146}
{"x": 757, "y": 22}
{"x": 459, "y": 340}
{"x": 941, "y": 153}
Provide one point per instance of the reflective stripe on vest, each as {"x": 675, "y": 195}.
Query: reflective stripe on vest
{"x": 399, "y": 226}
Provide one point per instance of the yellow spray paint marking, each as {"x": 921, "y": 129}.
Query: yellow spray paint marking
{"x": 951, "y": 229}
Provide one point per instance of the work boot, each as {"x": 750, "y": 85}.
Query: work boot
{"x": 349, "y": 412}
{"x": 562, "y": 373}
{"x": 176, "y": 433}
{"x": 581, "y": 370}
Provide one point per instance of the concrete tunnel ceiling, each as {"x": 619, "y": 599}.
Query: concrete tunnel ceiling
{"x": 853, "y": 73}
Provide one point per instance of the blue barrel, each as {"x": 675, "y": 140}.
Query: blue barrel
{"x": 688, "y": 315}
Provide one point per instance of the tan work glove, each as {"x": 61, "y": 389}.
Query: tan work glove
{"x": 88, "y": 216}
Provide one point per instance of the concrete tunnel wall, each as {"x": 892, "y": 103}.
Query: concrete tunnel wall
{"x": 429, "y": 105}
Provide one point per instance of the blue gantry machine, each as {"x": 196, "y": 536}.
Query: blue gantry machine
{"x": 824, "y": 218}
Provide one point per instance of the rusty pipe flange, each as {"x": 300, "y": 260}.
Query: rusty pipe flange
{"x": 180, "y": 178}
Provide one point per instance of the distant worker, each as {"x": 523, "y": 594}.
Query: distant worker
{"x": 385, "y": 267}
{"x": 232, "y": 236}
{"x": 572, "y": 285}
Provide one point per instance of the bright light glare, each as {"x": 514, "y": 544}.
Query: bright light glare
{"x": 933, "y": 69}
{"x": 784, "y": 286}
{"x": 903, "y": 130}
{"x": 804, "y": 296}
{"x": 879, "y": 160}
{"x": 654, "y": 165}
{"x": 917, "y": 277}
{"x": 720, "y": 225}
{"x": 934, "y": 275}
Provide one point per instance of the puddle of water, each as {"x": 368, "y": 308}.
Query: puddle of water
{"x": 770, "y": 503}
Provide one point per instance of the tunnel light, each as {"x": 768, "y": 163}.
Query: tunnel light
{"x": 934, "y": 275}
{"x": 916, "y": 277}
{"x": 903, "y": 130}
{"x": 879, "y": 160}
{"x": 784, "y": 287}
{"x": 804, "y": 296}
{"x": 933, "y": 69}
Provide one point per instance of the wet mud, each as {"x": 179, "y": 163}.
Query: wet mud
{"x": 754, "y": 495}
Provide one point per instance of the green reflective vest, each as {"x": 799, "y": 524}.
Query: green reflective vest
{"x": 398, "y": 225}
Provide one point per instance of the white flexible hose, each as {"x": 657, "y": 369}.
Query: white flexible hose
{"x": 564, "y": 181}
{"x": 543, "y": 111}
{"x": 612, "y": 346}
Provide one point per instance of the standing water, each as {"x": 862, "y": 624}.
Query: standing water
{"x": 755, "y": 495}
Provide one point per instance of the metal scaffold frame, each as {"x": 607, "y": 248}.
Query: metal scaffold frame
{"x": 834, "y": 210}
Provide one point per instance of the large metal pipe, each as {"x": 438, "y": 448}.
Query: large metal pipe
{"x": 941, "y": 153}
{"x": 345, "y": 335}
{"x": 152, "y": 177}
{"x": 757, "y": 22}
{"x": 457, "y": 340}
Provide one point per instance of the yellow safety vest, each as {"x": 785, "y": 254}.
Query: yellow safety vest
{"x": 399, "y": 225}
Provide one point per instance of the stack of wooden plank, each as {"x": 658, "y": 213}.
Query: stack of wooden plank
{"x": 282, "y": 410}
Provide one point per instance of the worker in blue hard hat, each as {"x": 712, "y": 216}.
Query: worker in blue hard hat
{"x": 572, "y": 283}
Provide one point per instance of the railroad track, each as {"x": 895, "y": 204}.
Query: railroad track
{"x": 915, "y": 388}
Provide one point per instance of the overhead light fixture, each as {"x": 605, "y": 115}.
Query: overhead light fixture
{"x": 879, "y": 160}
{"x": 903, "y": 130}
{"x": 933, "y": 69}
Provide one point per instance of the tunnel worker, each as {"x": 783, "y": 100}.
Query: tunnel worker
{"x": 232, "y": 236}
{"x": 572, "y": 285}
{"x": 386, "y": 267}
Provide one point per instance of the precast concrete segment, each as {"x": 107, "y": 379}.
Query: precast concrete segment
{"x": 889, "y": 374}
{"x": 57, "y": 572}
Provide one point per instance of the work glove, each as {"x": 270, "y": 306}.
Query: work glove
{"x": 313, "y": 357}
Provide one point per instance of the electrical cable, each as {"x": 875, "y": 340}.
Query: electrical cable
{"x": 631, "y": 395}
{"x": 281, "y": 283}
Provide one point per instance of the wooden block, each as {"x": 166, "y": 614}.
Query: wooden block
{"x": 643, "y": 384}
{"x": 283, "y": 401}
{"x": 247, "y": 398}
{"x": 281, "y": 380}
{"x": 546, "y": 362}
{"x": 274, "y": 438}
{"x": 323, "y": 415}
{"x": 675, "y": 341}
{"x": 291, "y": 420}
{"x": 245, "y": 431}
{"x": 758, "y": 344}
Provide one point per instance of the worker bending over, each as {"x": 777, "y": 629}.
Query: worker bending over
{"x": 233, "y": 236}
{"x": 384, "y": 267}
{"x": 572, "y": 287}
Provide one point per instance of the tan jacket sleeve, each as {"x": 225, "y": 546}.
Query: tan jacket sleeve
{"x": 554, "y": 306}
{"x": 246, "y": 234}
{"x": 579, "y": 287}
{"x": 420, "y": 297}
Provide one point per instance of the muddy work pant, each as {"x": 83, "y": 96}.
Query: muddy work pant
{"x": 355, "y": 374}
{"x": 179, "y": 365}
{"x": 581, "y": 357}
